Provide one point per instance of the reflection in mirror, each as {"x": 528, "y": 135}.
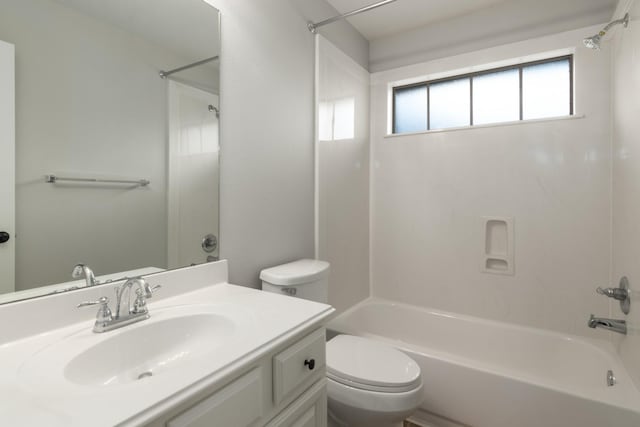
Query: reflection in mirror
{"x": 132, "y": 156}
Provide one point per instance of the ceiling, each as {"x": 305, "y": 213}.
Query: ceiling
{"x": 406, "y": 15}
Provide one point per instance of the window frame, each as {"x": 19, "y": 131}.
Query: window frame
{"x": 470, "y": 76}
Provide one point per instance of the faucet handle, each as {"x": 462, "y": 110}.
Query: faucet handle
{"x": 104, "y": 312}
{"x": 604, "y": 291}
{"x": 102, "y": 300}
{"x": 148, "y": 289}
{"x": 619, "y": 294}
{"x": 140, "y": 304}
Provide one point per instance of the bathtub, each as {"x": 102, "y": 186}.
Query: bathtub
{"x": 484, "y": 373}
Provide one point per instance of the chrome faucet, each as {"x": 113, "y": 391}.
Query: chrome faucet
{"x": 143, "y": 291}
{"x": 106, "y": 320}
{"x": 83, "y": 270}
{"x": 619, "y": 326}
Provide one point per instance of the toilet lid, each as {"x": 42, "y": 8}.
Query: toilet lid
{"x": 370, "y": 365}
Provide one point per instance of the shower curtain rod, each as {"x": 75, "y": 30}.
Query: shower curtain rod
{"x": 165, "y": 74}
{"x": 313, "y": 27}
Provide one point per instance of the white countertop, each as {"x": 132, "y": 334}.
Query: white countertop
{"x": 34, "y": 396}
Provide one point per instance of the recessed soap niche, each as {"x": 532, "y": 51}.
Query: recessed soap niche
{"x": 497, "y": 245}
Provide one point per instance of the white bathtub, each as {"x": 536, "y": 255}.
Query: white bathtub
{"x": 490, "y": 374}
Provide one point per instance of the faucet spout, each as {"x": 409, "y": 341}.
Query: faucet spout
{"x": 83, "y": 270}
{"x": 143, "y": 291}
{"x": 614, "y": 325}
{"x": 106, "y": 320}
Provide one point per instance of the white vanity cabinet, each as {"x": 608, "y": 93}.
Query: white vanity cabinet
{"x": 280, "y": 388}
{"x": 212, "y": 354}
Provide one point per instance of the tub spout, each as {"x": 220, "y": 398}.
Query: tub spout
{"x": 619, "y": 326}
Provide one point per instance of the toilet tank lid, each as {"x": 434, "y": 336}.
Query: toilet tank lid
{"x": 296, "y": 273}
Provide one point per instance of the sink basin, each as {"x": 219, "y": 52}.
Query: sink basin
{"x": 139, "y": 353}
{"x": 174, "y": 344}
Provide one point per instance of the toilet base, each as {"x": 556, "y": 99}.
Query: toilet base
{"x": 344, "y": 415}
{"x": 353, "y": 407}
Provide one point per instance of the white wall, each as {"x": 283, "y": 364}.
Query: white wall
{"x": 429, "y": 192}
{"x": 343, "y": 177}
{"x": 267, "y": 141}
{"x": 626, "y": 182}
{"x": 341, "y": 33}
{"x": 89, "y": 102}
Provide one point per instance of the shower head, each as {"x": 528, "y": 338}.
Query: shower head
{"x": 212, "y": 109}
{"x": 593, "y": 42}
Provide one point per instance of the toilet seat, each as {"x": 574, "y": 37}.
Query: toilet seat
{"x": 374, "y": 402}
{"x": 370, "y": 365}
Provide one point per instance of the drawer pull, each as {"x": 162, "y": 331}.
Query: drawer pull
{"x": 311, "y": 363}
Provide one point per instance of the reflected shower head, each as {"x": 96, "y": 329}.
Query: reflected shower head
{"x": 593, "y": 42}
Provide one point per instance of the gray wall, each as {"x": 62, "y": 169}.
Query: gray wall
{"x": 267, "y": 132}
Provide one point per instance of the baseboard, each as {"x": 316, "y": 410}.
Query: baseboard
{"x": 427, "y": 419}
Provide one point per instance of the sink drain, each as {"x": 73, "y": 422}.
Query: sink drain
{"x": 145, "y": 375}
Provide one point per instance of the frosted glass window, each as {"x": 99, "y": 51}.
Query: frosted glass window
{"x": 450, "y": 104}
{"x": 344, "y": 117}
{"x": 496, "y": 97}
{"x": 546, "y": 90}
{"x": 526, "y": 91}
{"x": 410, "y": 109}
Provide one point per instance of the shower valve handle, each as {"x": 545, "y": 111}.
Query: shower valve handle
{"x": 618, "y": 294}
{"x": 621, "y": 293}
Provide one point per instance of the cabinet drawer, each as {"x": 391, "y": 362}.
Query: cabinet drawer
{"x": 238, "y": 404}
{"x": 298, "y": 364}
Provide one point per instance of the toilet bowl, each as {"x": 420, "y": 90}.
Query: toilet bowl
{"x": 370, "y": 383}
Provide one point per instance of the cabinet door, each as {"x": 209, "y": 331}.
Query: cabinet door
{"x": 238, "y": 404}
{"x": 308, "y": 419}
{"x": 310, "y": 410}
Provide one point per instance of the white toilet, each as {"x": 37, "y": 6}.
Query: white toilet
{"x": 369, "y": 383}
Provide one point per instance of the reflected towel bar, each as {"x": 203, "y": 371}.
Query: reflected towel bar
{"x": 52, "y": 179}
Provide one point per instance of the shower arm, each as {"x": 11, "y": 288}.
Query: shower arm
{"x": 624, "y": 20}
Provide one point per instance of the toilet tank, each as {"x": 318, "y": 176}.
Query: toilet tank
{"x": 305, "y": 278}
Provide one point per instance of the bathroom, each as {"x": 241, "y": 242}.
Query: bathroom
{"x": 475, "y": 251}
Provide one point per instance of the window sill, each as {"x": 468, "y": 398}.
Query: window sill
{"x": 491, "y": 125}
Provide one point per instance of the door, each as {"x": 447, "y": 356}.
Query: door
{"x": 193, "y": 175}
{"x": 7, "y": 168}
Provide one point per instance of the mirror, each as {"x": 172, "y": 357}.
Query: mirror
{"x": 116, "y": 166}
